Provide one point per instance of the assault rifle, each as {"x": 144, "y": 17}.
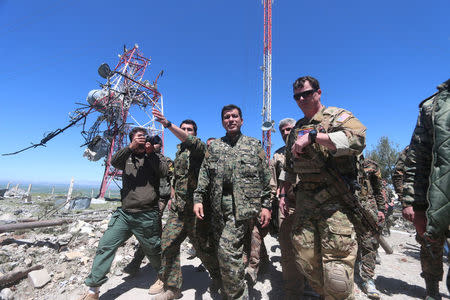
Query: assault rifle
{"x": 345, "y": 189}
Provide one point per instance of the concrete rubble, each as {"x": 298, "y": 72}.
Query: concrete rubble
{"x": 66, "y": 253}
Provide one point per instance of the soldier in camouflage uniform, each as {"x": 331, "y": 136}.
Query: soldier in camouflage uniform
{"x": 235, "y": 174}
{"x": 373, "y": 202}
{"x": 323, "y": 237}
{"x": 164, "y": 195}
{"x": 181, "y": 222}
{"x": 399, "y": 173}
{"x": 426, "y": 190}
{"x": 293, "y": 279}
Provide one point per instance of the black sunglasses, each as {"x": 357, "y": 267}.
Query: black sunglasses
{"x": 304, "y": 94}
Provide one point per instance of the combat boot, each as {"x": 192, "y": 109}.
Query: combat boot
{"x": 432, "y": 286}
{"x": 370, "y": 290}
{"x": 169, "y": 294}
{"x": 156, "y": 288}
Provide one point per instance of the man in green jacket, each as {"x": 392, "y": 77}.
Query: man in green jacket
{"x": 139, "y": 213}
{"x": 235, "y": 177}
{"x": 426, "y": 189}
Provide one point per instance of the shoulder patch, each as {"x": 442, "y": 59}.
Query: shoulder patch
{"x": 343, "y": 117}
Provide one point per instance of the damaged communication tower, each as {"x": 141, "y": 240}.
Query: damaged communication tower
{"x": 125, "y": 101}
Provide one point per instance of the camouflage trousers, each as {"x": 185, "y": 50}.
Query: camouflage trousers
{"x": 431, "y": 263}
{"x": 367, "y": 243}
{"x": 231, "y": 236}
{"x": 367, "y": 254}
{"x": 293, "y": 279}
{"x": 177, "y": 228}
{"x": 325, "y": 250}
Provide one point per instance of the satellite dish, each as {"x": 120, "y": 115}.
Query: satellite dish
{"x": 266, "y": 126}
{"x": 105, "y": 71}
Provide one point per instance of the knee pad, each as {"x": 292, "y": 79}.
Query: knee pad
{"x": 338, "y": 281}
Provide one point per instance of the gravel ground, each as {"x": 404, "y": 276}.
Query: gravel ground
{"x": 397, "y": 277}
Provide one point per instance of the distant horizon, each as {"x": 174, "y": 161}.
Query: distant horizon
{"x": 24, "y": 183}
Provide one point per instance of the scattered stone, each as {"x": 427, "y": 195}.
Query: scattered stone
{"x": 6, "y": 294}
{"x": 73, "y": 255}
{"x": 39, "y": 278}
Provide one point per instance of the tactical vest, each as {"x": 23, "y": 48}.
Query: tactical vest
{"x": 315, "y": 157}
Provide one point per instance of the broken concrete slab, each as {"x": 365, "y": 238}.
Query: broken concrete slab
{"x": 39, "y": 278}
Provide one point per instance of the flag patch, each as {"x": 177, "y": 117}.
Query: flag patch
{"x": 304, "y": 131}
{"x": 343, "y": 117}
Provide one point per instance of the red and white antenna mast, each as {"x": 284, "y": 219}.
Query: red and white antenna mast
{"x": 267, "y": 125}
{"x": 129, "y": 101}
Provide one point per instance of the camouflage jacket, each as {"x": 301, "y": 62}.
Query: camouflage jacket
{"x": 188, "y": 160}
{"x": 399, "y": 173}
{"x": 345, "y": 131}
{"x": 374, "y": 185}
{"x": 278, "y": 162}
{"x": 165, "y": 183}
{"x": 250, "y": 176}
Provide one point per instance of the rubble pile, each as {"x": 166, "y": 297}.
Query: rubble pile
{"x": 61, "y": 256}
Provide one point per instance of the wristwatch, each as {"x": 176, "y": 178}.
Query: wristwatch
{"x": 168, "y": 124}
{"x": 312, "y": 136}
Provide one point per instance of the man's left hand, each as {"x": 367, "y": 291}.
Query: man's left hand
{"x": 265, "y": 216}
{"x": 300, "y": 143}
{"x": 420, "y": 222}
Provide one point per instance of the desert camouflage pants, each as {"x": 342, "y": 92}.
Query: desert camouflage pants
{"x": 325, "y": 251}
{"x": 431, "y": 258}
{"x": 177, "y": 228}
{"x": 293, "y": 279}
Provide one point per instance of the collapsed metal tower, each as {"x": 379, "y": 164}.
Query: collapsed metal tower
{"x": 267, "y": 122}
{"x": 125, "y": 101}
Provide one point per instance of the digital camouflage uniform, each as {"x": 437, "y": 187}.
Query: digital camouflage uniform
{"x": 293, "y": 279}
{"x": 236, "y": 176}
{"x": 181, "y": 222}
{"x": 426, "y": 181}
{"x": 399, "y": 173}
{"x": 323, "y": 236}
{"x": 138, "y": 215}
{"x": 373, "y": 202}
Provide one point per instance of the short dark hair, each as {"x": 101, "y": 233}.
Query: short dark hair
{"x": 298, "y": 84}
{"x": 230, "y": 107}
{"x": 191, "y": 122}
{"x": 136, "y": 130}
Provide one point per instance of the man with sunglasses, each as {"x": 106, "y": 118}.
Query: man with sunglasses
{"x": 323, "y": 236}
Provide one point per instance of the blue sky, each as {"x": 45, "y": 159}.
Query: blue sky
{"x": 378, "y": 59}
